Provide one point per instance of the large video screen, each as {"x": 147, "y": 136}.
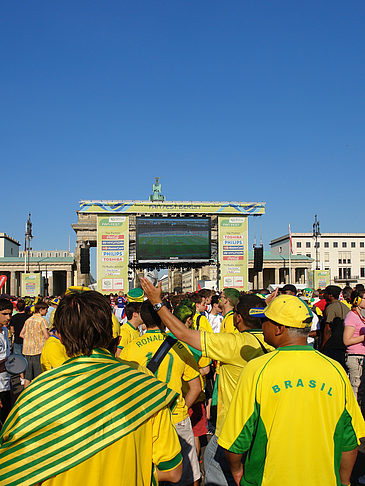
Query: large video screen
{"x": 173, "y": 239}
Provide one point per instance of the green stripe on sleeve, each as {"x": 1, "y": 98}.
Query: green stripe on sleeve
{"x": 171, "y": 464}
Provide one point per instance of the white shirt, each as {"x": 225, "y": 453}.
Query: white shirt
{"x": 314, "y": 327}
{"x": 215, "y": 322}
{"x": 4, "y": 353}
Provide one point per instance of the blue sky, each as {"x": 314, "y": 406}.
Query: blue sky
{"x": 236, "y": 100}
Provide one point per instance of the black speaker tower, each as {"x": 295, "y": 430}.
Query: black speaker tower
{"x": 258, "y": 258}
{"x": 85, "y": 260}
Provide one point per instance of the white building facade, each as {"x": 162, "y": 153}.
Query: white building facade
{"x": 9, "y": 247}
{"x": 341, "y": 253}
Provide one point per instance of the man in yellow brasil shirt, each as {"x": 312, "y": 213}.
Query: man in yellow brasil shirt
{"x": 268, "y": 414}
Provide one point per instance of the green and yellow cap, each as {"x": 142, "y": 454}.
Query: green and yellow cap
{"x": 287, "y": 310}
{"x": 135, "y": 295}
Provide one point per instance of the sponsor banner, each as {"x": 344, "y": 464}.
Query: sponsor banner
{"x": 31, "y": 284}
{"x": 319, "y": 279}
{"x": 233, "y": 252}
{"x": 168, "y": 207}
{"x": 112, "y": 254}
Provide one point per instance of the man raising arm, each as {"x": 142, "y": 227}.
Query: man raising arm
{"x": 233, "y": 350}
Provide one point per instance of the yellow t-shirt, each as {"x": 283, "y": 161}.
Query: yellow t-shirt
{"x": 51, "y": 318}
{"x": 228, "y": 324}
{"x": 53, "y": 354}
{"x": 127, "y": 333}
{"x": 275, "y": 397}
{"x": 129, "y": 460}
{"x": 233, "y": 351}
{"x": 204, "y": 324}
{"x": 116, "y": 326}
{"x": 179, "y": 364}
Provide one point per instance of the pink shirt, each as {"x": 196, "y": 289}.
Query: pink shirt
{"x": 353, "y": 320}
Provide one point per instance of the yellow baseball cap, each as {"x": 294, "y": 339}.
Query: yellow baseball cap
{"x": 75, "y": 289}
{"x": 287, "y": 310}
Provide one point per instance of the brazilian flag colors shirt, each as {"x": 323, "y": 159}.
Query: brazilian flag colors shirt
{"x": 295, "y": 413}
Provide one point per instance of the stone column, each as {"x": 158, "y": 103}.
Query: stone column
{"x": 293, "y": 281}
{"x": 260, "y": 279}
{"x": 13, "y": 286}
{"x": 68, "y": 279}
{"x": 277, "y": 276}
{"x": 50, "y": 283}
{"x": 192, "y": 279}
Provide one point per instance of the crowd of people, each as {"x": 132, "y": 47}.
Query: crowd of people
{"x": 206, "y": 387}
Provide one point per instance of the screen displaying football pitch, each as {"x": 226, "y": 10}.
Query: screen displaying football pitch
{"x": 173, "y": 239}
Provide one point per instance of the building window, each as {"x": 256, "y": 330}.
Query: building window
{"x": 353, "y": 244}
{"x": 308, "y": 255}
{"x": 326, "y": 257}
{"x": 344, "y": 257}
{"x": 344, "y": 273}
{"x": 299, "y": 244}
{"x": 335, "y": 244}
{"x": 362, "y": 272}
{"x": 316, "y": 244}
{"x": 362, "y": 256}
{"x": 347, "y": 273}
{"x": 308, "y": 244}
{"x": 361, "y": 244}
{"x": 344, "y": 244}
{"x": 326, "y": 244}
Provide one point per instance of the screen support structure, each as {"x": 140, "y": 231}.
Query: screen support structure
{"x": 224, "y": 244}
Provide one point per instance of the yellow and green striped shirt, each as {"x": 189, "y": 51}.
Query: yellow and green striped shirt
{"x": 71, "y": 413}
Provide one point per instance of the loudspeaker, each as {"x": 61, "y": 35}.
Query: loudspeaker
{"x": 258, "y": 258}
{"x": 85, "y": 260}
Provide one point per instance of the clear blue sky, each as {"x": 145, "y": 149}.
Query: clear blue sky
{"x": 235, "y": 100}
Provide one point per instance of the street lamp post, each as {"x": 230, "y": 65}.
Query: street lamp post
{"x": 284, "y": 268}
{"x": 316, "y": 233}
{"x": 27, "y": 247}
